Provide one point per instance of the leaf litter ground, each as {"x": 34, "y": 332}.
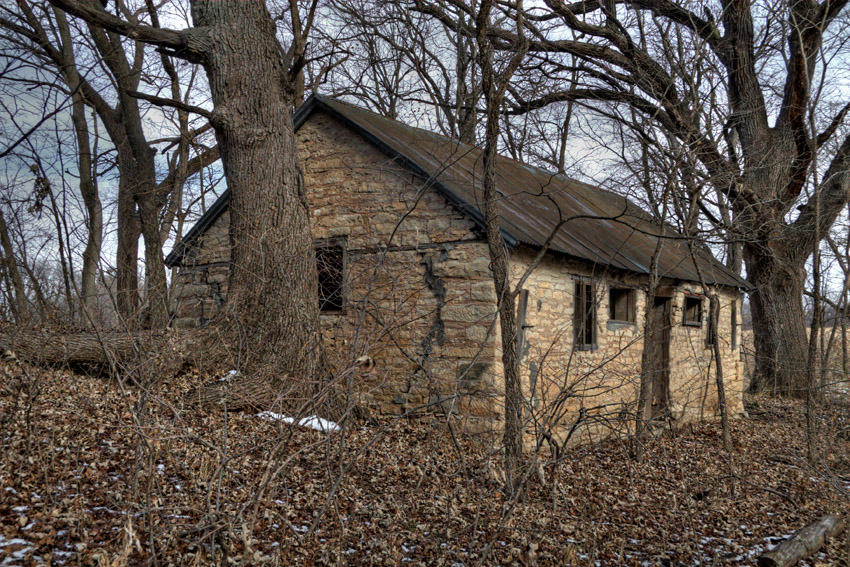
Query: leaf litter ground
{"x": 91, "y": 479}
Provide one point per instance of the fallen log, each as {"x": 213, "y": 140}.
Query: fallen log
{"x": 804, "y": 542}
{"x": 46, "y": 348}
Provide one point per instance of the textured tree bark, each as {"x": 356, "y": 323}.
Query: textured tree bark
{"x": 127, "y": 254}
{"x": 271, "y": 314}
{"x": 714, "y": 313}
{"x": 777, "y": 311}
{"x": 272, "y": 306}
{"x": 804, "y": 542}
{"x": 494, "y": 89}
{"x": 94, "y": 208}
{"x": 10, "y": 266}
{"x": 53, "y": 349}
{"x": 88, "y": 185}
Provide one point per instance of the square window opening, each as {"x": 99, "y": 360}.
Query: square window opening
{"x": 330, "y": 265}
{"x": 692, "y": 311}
{"x": 621, "y": 304}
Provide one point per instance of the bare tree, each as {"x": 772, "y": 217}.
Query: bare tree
{"x": 45, "y": 34}
{"x": 406, "y": 65}
{"x": 769, "y": 62}
{"x": 495, "y": 82}
{"x": 272, "y": 306}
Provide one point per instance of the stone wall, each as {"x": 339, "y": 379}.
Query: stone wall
{"x": 200, "y": 286}
{"x": 419, "y": 299}
{"x": 418, "y": 292}
{"x": 600, "y": 386}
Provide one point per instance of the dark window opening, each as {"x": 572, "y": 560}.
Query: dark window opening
{"x": 621, "y": 304}
{"x": 692, "y": 311}
{"x": 330, "y": 264}
{"x": 710, "y": 327}
{"x": 585, "y": 316}
{"x": 734, "y": 324}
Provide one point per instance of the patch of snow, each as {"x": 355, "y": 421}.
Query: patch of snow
{"x": 21, "y": 509}
{"x": 313, "y": 421}
{"x": 11, "y": 490}
{"x": 160, "y": 468}
{"x": 230, "y": 374}
{"x": 11, "y": 557}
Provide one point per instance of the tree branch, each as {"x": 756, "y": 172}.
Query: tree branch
{"x": 824, "y": 136}
{"x": 92, "y": 12}
{"x": 833, "y": 195}
{"x": 194, "y": 165}
{"x": 168, "y": 102}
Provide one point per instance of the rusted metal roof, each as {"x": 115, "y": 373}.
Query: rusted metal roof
{"x": 598, "y": 226}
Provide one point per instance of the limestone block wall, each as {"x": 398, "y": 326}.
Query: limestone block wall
{"x": 692, "y": 377}
{"x": 561, "y": 381}
{"x": 419, "y": 299}
{"x": 418, "y": 291}
{"x": 200, "y": 286}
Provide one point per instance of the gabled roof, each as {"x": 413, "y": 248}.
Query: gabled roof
{"x": 600, "y": 227}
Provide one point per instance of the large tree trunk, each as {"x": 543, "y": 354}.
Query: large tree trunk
{"x": 271, "y": 314}
{"x": 138, "y": 215}
{"x": 776, "y": 301}
{"x": 272, "y": 305}
{"x": 804, "y": 542}
{"x": 52, "y": 349}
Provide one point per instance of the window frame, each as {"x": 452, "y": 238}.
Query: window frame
{"x": 581, "y": 303}
{"x": 631, "y": 304}
{"x": 340, "y": 243}
{"x": 698, "y": 323}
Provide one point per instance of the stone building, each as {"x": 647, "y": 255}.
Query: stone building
{"x": 404, "y": 276}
